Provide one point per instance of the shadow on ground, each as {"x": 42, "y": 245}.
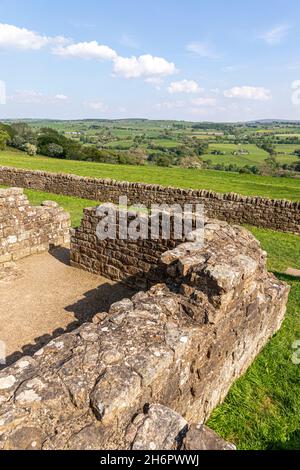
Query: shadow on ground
{"x": 91, "y": 303}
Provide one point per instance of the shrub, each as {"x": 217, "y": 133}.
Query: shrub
{"x": 4, "y": 137}
{"x": 30, "y": 149}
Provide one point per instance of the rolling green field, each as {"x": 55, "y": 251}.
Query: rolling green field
{"x": 249, "y": 185}
{"x": 288, "y": 149}
{"x": 255, "y": 157}
{"x": 262, "y": 409}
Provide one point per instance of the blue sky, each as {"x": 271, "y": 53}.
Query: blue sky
{"x": 160, "y": 59}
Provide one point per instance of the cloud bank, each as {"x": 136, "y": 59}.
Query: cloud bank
{"x": 145, "y": 66}
{"x": 184, "y": 86}
{"x": 249, "y": 93}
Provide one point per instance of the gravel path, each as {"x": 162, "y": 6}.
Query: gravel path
{"x": 43, "y": 297}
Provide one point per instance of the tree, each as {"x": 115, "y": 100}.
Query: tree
{"x": 163, "y": 160}
{"x": 31, "y": 149}
{"x": 18, "y": 142}
{"x": 297, "y": 152}
{"x": 55, "y": 150}
{"x": 4, "y": 137}
{"x": 269, "y": 167}
{"x": 24, "y": 131}
{"x": 138, "y": 156}
{"x": 191, "y": 162}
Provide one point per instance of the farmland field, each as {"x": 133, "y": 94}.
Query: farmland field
{"x": 288, "y": 149}
{"x": 255, "y": 156}
{"x": 249, "y": 185}
{"x": 219, "y": 146}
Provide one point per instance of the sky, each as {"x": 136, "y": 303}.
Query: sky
{"x": 158, "y": 59}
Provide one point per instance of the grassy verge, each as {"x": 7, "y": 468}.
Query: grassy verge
{"x": 262, "y": 409}
{"x": 249, "y": 185}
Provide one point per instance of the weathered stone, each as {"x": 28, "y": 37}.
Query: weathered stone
{"x": 24, "y": 438}
{"x": 181, "y": 344}
{"x": 27, "y": 229}
{"x": 159, "y": 429}
{"x": 275, "y": 214}
{"x": 202, "y": 438}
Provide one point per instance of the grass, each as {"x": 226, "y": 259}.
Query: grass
{"x": 249, "y": 185}
{"x": 124, "y": 144}
{"x": 262, "y": 409}
{"x": 255, "y": 157}
{"x": 289, "y": 149}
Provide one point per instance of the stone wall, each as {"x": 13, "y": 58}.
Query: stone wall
{"x": 27, "y": 230}
{"x": 136, "y": 262}
{"x": 275, "y": 214}
{"x": 180, "y": 344}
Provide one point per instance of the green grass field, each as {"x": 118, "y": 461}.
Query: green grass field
{"x": 288, "y": 149}
{"x": 255, "y": 157}
{"x": 249, "y": 185}
{"x": 124, "y": 144}
{"x": 262, "y": 410}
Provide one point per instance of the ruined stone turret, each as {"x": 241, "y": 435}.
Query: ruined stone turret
{"x": 181, "y": 344}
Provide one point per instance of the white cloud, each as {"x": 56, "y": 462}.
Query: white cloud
{"x": 170, "y": 105}
{"x": 202, "y": 49}
{"x": 143, "y": 66}
{"x": 296, "y": 85}
{"x": 276, "y": 35}
{"x": 208, "y": 101}
{"x": 296, "y": 92}
{"x": 157, "y": 82}
{"x": 13, "y": 37}
{"x": 96, "y": 106}
{"x": 184, "y": 86}
{"x": 249, "y": 93}
{"x": 61, "y": 97}
{"x": 188, "y": 104}
{"x": 35, "y": 97}
{"x": 27, "y": 97}
{"x": 86, "y": 50}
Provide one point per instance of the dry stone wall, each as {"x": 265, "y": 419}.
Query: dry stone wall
{"x": 181, "y": 344}
{"x": 275, "y": 214}
{"x": 136, "y": 262}
{"x": 26, "y": 229}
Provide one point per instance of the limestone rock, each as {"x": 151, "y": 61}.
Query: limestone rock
{"x": 203, "y": 438}
{"x": 26, "y": 229}
{"x": 160, "y": 428}
{"x": 180, "y": 344}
